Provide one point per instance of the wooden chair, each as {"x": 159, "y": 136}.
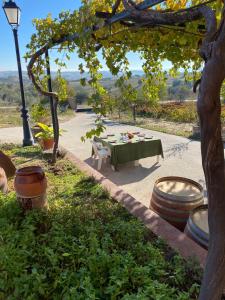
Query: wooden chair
{"x": 101, "y": 153}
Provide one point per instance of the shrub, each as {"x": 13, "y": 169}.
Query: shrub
{"x": 40, "y": 114}
{"x": 86, "y": 246}
{"x": 176, "y": 112}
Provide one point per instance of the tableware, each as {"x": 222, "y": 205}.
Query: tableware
{"x": 113, "y": 141}
{"x": 136, "y": 132}
{"x": 149, "y": 137}
{"x": 141, "y": 134}
{"x": 104, "y": 137}
{"x": 111, "y": 134}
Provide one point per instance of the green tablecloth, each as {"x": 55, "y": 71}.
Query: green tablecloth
{"x": 126, "y": 152}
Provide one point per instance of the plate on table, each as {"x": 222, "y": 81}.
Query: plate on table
{"x": 111, "y": 134}
{"x": 113, "y": 141}
{"x": 136, "y": 132}
{"x": 149, "y": 137}
{"x": 104, "y": 137}
{"x": 141, "y": 134}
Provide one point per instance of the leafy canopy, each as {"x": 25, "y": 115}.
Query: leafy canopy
{"x": 177, "y": 44}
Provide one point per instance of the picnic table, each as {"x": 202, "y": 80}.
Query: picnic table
{"x": 132, "y": 150}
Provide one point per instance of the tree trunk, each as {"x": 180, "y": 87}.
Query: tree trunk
{"x": 134, "y": 112}
{"x": 56, "y": 132}
{"x": 209, "y": 110}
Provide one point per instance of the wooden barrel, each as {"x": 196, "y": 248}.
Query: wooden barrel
{"x": 30, "y": 185}
{"x": 197, "y": 227}
{"x": 173, "y": 199}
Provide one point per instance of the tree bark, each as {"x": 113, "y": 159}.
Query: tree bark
{"x": 53, "y": 107}
{"x": 209, "y": 110}
{"x": 134, "y": 112}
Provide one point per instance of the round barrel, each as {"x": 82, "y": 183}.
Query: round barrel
{"x": 173, "y": 199}
{"x": 30, "y": 185}
{"x": 197, "y": 227}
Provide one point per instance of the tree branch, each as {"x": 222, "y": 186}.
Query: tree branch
{"x": 138, "y": 15}
{"x": 115, "y": 6}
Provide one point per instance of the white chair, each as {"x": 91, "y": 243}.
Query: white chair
{"x": 100, "y": 152}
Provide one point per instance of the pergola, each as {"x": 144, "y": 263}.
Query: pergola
{"x": 212, "y": 51}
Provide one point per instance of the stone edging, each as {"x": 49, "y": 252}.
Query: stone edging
{"x": 173, "y": 237}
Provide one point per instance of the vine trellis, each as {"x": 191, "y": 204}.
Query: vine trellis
{"x": 174, "y": 30}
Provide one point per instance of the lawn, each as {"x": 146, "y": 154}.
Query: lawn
{"x": 11, "y": 116}
{"x": 86, "y": 246}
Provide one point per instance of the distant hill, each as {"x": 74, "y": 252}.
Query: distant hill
{"x": 70, "y": 75}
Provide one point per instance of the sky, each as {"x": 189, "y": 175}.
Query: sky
{"x": 39, "y": 9}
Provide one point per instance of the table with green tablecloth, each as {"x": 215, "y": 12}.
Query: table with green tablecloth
{"x": 123, "y": 152}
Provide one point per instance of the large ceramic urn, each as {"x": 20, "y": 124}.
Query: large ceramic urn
{"x": 30, "y": 185}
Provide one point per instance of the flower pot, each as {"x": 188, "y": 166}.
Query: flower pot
{"x": 30, "y": 185}
{"x": 47, "y": 144}
{"x": 7, "y": 164}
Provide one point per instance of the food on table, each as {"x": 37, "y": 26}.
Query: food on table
{"x": 130, "y": 135}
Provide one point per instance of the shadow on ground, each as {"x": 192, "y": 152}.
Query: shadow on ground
{"x": 127, "y": 173}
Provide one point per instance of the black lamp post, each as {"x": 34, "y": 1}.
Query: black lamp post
{"x": 12, "y": 12}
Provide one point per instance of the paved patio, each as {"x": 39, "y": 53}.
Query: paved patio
{"x": 182, "y": 156}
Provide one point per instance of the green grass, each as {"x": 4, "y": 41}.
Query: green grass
{"x": 86, "y": 246}
{"x": 11, "y": 117}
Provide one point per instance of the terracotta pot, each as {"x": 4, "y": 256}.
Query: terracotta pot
{"x": 30, "y": 185}
{"x": 47, "y": 144}
{"x": 7, "y": 164}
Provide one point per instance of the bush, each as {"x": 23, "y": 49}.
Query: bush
{"x": 176, "y": 112}
{"x": 40, "y": 114}
{"x": 86, "y": 246}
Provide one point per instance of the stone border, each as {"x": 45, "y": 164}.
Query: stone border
{"x": 174, "y": 238}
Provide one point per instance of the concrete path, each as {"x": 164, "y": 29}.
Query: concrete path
{"x": 182, "y": 156}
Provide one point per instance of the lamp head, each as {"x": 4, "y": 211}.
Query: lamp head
{"x": 12, "y": 12}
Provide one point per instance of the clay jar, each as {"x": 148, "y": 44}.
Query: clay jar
{"x": 47, "y": 144}
{"x": 30, "y": 185}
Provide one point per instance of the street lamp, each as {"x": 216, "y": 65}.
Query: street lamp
{"x": 12, "y": 12}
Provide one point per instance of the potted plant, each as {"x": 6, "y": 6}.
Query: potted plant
{"x": 45, "y": 136}
{"x": 39, "y": 114}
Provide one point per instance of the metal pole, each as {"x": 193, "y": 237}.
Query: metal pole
{"x": 27, "y": 136}
{"x": 50, "y": 86}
